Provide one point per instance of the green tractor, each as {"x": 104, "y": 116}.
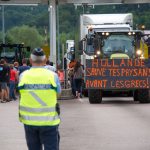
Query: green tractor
{"x": 14, "y": 52}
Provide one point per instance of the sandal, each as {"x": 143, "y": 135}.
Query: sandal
{"x": 7, "y": 100}
{"x": 3, "y": 101}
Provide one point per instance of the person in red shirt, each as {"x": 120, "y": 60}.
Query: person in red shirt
{"x": 61, "y": 75}
{"x": 13, "y": 78}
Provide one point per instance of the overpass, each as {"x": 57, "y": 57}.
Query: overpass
{"x": 52, "y": 11}
{"x": 99, "y": 2}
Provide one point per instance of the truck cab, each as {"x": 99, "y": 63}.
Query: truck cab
{"x": 113, "y": 45}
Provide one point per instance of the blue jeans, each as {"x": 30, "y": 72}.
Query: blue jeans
{"x": 11, "y": 90}
{"x": 38, "y": 137}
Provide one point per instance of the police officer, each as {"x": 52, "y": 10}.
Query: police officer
{"x": 38, "y": 100}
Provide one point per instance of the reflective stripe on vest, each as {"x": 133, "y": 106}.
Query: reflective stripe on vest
{"x": 37, "y": 98}
{"x": 37, "y": 110}
{"x": 37, "y": 87}
{"x": 40, "y": 118}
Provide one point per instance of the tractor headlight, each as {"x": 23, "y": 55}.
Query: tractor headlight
{"x": 107, "y": 33}
{"x": 129, "y": 33}
{"x": 92, "y": 57}
{"x": 139, "y": 52}
{"x": 133, "y": 33}
{"x": 142, "y": 57}
{"x": 98, "y": 52}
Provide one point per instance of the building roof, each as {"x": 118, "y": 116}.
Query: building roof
{"x": 100, "y": 2}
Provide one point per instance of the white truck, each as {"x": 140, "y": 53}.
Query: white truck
{"x": 70, "y": 51}
{"x": 108, "y": 37}
{"x": 70, "y": 46}
{"x": 104, "y": 23}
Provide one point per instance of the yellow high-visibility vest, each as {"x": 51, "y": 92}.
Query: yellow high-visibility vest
{"x": 38, "y": 98}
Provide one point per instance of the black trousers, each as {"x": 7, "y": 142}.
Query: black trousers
{"x": 78, "y": 84}
{"x": 38, "y": 137}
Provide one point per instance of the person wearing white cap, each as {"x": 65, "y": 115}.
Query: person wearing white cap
{"x": 38, "y": 108}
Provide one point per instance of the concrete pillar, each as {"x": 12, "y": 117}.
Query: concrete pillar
{"x": 52, "y": 11}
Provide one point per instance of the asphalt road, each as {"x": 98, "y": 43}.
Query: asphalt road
{"x": 116, "y": 124}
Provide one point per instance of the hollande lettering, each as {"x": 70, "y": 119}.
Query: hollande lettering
{"x": 96, "y": 63}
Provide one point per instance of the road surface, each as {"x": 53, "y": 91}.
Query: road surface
{"x": 116, "y": 124}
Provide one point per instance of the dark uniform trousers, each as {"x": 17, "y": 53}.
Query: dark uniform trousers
{"x": 38, "y": 137}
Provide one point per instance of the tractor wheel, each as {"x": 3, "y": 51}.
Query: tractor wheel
{"x": 95, "y": 96}
{"x": 135, "y": 95}
{"x": 85, "y": 93}
{"x": 144, "y": 95}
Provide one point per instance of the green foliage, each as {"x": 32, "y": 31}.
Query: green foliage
{"x": 27, "y": 24}
{"x": 1, "y": 38}
{"x": 63, "y": 37}
{"x": 69, "y": 16}
{"x": 23, "y": 15}
{"x": 25, "y": 34}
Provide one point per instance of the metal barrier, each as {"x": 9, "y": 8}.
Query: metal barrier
{"x": 65, "y": 84}
{"x": 66, "y": 87}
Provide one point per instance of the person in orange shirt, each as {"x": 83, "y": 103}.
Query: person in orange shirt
{"x": 71, "y": 66}
{"x": 72, "y": 63}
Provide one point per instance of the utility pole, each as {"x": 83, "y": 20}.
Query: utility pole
{"x": 3, "y": 23}
{"x": 58, "y": 41}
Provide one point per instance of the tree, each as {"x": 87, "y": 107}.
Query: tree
{"x": 25, "y": 34}
{"x": 1, "y": 37}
